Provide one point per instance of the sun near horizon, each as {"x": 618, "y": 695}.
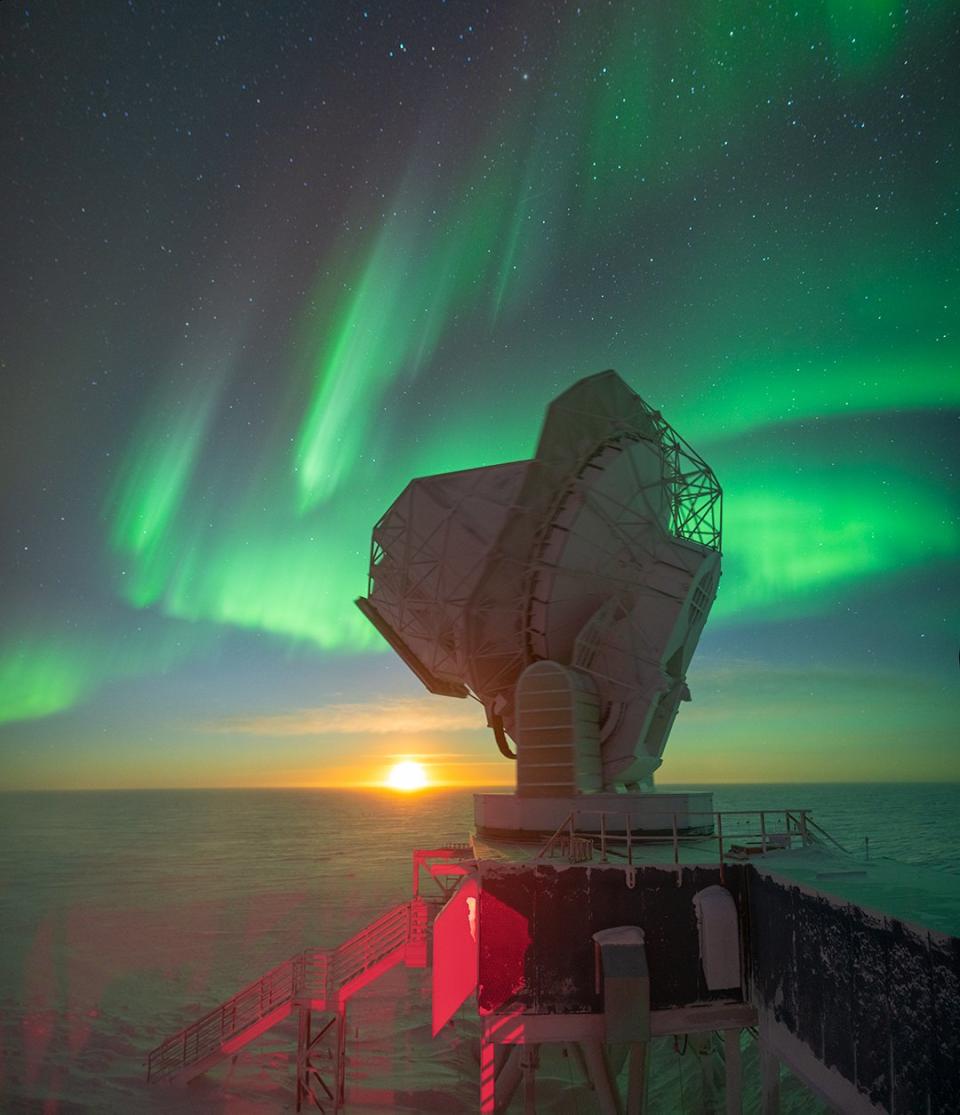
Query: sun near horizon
{"x": 407, "y": 776}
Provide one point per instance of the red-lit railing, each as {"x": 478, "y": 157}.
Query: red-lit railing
{"x": 208, "y": 1034}
{"x": 321, "y": 977}
{"x": 355, "y": 958}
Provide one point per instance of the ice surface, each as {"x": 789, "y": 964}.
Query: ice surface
{"x": 126, "y": 915}
{"x": 924, "y": 897}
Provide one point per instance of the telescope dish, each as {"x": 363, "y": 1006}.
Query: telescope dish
{"x": 600, "y": 555}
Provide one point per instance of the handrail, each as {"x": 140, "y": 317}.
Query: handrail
{"x": 317, "y": 974}
{"x": 822, "y": 832}
{"x": 389, "y": 932}
{"x": 196, "y": 1041}
{"x": 565, "y": 823}
{"x": 797, "y": 823}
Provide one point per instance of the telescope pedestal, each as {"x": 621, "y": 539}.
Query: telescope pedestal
{"x": 515, "y": 817}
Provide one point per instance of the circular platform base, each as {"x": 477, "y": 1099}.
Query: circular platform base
{"x": 509, "y": 815}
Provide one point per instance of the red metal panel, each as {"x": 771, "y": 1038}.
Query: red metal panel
{"x": 455, "y": 953}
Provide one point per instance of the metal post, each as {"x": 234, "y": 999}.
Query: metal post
{"x": 763, "y": 831}
{"x": 303, "y": 1052}
{"x": 637, "y": 1079}
{"x": 603, "y": 1087}
{"x": 769, "y": 1079}
{"x": 720, "y": 844}
{"x": 509, "y": 1072}
{"x": 629, "y": 841}
{"x": 341, "y": 1077}
{"x": 529, "y": 1060}
{"x": 676, "y": 846}
{"x": 575, "y": 1051}
{"x": 734, "y": 1074}
{"x": 702, "y": 1045}
{"x": 603, "y": 837}
{"x": 488, "y": 1095}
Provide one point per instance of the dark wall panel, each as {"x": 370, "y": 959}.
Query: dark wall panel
{"x": 945, "y": 1024}
{"x": 873, "y": 998}
{"x": 556, "y": 911}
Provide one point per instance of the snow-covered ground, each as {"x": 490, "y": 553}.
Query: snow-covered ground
{"x": 126, "y": 915}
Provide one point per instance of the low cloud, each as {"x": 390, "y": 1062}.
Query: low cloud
{"x": 385, "y": 717}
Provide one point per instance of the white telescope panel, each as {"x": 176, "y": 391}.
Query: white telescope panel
{"x": 428, "y": 552}
{"x": 601, "y": 553}
{"x": 605, "y": 529}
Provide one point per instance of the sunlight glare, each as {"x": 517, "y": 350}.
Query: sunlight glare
{"x": 407, "y": 775}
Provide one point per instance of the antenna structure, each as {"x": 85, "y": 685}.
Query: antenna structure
{"x": 566, "y": 593}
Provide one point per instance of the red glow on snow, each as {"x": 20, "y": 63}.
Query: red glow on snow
{"x": 64, "y": 993}
{"x": 40, "y": 993}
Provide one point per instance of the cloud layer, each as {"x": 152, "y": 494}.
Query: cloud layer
{"x": 383, "y": 717}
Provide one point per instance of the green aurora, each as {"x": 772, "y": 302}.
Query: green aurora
{"x": 703, "y": 200}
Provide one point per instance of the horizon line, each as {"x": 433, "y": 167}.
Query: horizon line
{"x": 477, "y": 787}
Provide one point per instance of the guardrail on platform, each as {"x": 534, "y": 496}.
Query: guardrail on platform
{"x": 616, "y": 830}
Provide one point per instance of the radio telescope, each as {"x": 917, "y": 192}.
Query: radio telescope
{"x": 566, "y": 593}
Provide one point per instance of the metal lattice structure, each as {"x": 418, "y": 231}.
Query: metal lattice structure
{"x": 601, "y": 552}
{"x": 696, "y": 500}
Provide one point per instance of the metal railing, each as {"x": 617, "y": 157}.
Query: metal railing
{"x": 618, "y": 834}
{"x": 316, "y": 975}
{"x": 205, "y": 1036}
{"x": 369, "y": 947}
{"x": 818, "y": 835}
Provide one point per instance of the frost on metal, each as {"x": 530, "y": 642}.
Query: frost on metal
{"x": 873, "y": 1002}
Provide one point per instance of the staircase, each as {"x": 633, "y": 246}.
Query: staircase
{"x": 314, "y": 980}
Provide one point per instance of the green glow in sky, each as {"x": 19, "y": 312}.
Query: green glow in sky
{"x": 794, "y": 542}
{"x": 46, "y": 672}
{"x": 38, "y": 679}
{"x": 719, "y": 201}
{"x": 433, "y": 266}
{"x": 289, "y": 581}
{"x": 150, "y": 490}
{"x": 375, "y": 333}
{"x": 846, "y": 723}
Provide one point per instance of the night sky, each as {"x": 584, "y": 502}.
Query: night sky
{"x": 263, "y": 263}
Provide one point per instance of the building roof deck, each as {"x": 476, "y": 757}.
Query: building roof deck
{"x": 921, "y": 896}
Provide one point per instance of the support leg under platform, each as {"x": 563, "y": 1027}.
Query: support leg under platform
{"x": 530, "y": 1059}
{"x": 603, "y": 1086}
{"x": 769, "y": 1079}
{"x": 731, "y": 1058}
{"x": 341, "y": 1062}
{"x": 702, "y": 1044}
{"x": 509, "y": 1074}
{"x": 637, "y": 1078}
{"x": 315, "y": 1052}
